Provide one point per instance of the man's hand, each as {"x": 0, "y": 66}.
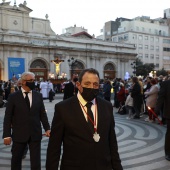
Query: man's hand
{"x": 7, "y": 141}
{"x": 47, "y": 133}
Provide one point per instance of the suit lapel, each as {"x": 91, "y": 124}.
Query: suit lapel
{"x": 21, "y": 98}
{"x": 33, "y": 99}
{"x": 100, "y": 112}
{"x": 80, "y": 116}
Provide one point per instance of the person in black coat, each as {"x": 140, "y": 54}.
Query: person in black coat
{"x": 164, "y": 100}
{"x": 107, "y": 90}
{"x": 137, "y": 97}
{"x": 24, "y": 114}
{"x": 70, "y": 88}
{"x": 87, "y": 144}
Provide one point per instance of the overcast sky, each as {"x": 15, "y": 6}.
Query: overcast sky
{"x": 92, "y": 14}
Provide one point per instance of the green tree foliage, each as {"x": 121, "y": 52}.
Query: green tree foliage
{"x": 161, "y": 72}
{"x": 143, "y": 69}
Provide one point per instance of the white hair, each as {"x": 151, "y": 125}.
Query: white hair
{"x": 25, "y": 74}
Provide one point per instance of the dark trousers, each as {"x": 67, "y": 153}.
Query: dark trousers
{"x": 17, "y": 153}
{"x": 167, "y": 138}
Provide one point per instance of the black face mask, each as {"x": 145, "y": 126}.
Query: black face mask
{"x": 89, "y": 94}
{"x": 75, "y": 79}
{"x": 31, "y": 85}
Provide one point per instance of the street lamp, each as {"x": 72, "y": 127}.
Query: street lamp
{"x": 134, "y": 68}
{"x": 72, "y": 62}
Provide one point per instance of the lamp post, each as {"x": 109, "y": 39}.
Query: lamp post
{"x": 134, "y": 68}
{"x": 57, "y": 63}
{"x": 72, "y": 62}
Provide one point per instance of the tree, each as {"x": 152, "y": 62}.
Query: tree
{"x": 143, "y": 69}
{"x": 161, "y": 72}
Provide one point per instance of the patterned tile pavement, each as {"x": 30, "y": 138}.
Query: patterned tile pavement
{"x": 141, "y": 144}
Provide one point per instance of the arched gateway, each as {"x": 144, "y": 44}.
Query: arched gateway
{"x": 109, "y": 71}
{"x": 39, "y": 68}
{"x": 76, "y": 68}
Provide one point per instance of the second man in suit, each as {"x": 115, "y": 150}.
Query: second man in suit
{"x": 24, "y": 114}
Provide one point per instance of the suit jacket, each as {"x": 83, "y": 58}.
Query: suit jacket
{"x": 69, "y": 90}
{"x": 80, "y": 151}
{"x": 164, "y": 99}
{"x": 25, "y": 123}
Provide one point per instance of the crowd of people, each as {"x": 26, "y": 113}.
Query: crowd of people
{"x": 88, "y": 141}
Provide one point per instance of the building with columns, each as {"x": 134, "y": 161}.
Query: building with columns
{"x": 29, "y": 44}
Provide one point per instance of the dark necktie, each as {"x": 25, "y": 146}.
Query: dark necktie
{"x": 90, "y": 113}
{"x": 27, "y": 99}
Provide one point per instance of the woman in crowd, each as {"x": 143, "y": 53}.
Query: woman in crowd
{"x": 151, "y": 98}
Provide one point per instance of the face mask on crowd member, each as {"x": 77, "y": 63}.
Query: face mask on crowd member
{"x": 31, "y": 85}
{"x": 89, "y": 86}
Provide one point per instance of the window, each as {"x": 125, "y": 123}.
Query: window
{"x": 146, "y": 47}
{"x": 156, "y": 31}
{"x": 126, "y": 37}
{"x": 134, "y": 36}
{"x": 152, "y": 39}
{"x": 156, "y": 65}
{"x": 120, "y": 38}
{"x": 143, "y": 29}
{"x": 166, "y": 49}
{"x": 146, "y": 37}
{"x": 157, "y": 57}
{"x": 152, "y": 47}
{"x": 140, "y": 46}
{"x": 137, "y": 28}
{"x": 166, "y": 41}
{"x": 152, "y": 56}
{"x": 166, "y": 58}
{"x": 157, "y": 39}
{"x": 140, "y": 37}
{"x": 157, "y": 48}
{"x": 114, "y": 39}
{"x": 140, "y": 56}
{"x": 146, "y": 55}
{"x": 108, "y": 33}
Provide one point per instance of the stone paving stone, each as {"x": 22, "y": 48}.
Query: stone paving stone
{"x": 141, "y": 144}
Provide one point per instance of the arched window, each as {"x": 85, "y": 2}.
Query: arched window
{"x": 38, "y": 64}
{"x": 109, "y": 71}
{"x": 39, "y": 68}
{"x": 76, "y": 67}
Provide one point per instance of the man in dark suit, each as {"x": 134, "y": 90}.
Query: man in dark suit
{"x": 87, "y": 132}
{"x": 164, "y": 100}
{"x": 70, "y": 88}
{"x": 24, "y": 114}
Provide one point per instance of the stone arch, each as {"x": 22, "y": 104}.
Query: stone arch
{"x": 109, "y": 71}
{"x": 77, "y": 67}
{"x": 40, "y": 69}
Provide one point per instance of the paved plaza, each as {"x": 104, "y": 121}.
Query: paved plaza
{"x": 141, "y": 144}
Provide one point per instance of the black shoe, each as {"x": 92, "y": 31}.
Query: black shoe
{"x": 167, "y": 157}
{"x": 136, "y": 117}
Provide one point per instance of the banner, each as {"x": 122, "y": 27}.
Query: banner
{"x": 16, "y": 66}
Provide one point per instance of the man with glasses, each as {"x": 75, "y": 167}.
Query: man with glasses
{"x": 24, "y": 114}
{"x": 85, "y": 125}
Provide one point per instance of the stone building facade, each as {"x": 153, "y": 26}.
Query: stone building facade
{"x": 29, "y": 44}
